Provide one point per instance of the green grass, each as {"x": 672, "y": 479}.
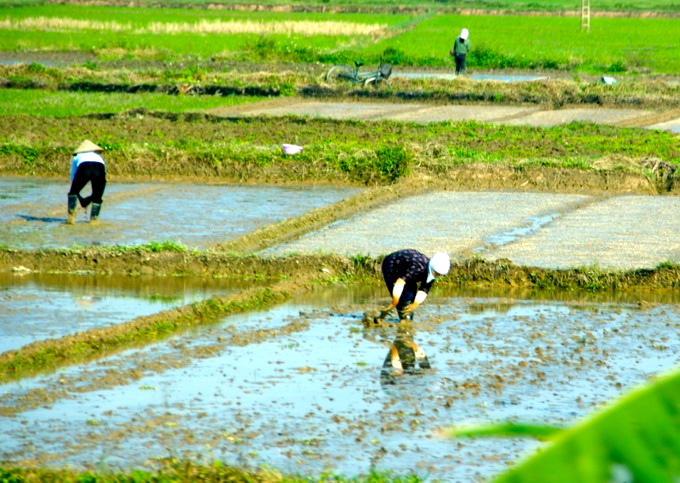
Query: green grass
{"x": 144, "y": 16}
{"x": 545, "y": 42}
{"x": 66, "y": 104}
{"x": 613, "y": 45}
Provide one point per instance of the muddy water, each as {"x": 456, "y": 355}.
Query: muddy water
{"x": 33, "y": 212}
{"x": 36, "y": 307}
{"x": 304, "y": 388}
{"x": 479, "y": 77}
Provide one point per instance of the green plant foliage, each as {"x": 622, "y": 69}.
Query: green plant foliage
{"x": 499, "y": 42}
{"x": 165, "y": 246}
{"x": 384, "y": 164}
{"x": 634, "y": 439}
{"x": 507, "y": 429}
{"x": 393, "y": 162}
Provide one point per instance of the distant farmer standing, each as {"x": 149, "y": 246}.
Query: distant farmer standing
{"x": 461, "y": 47}
{"x": 87, "y": 165}
{"x": 409, "y": 275}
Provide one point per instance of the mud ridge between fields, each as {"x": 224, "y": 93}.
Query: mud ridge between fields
{"x": 297, "y": 275}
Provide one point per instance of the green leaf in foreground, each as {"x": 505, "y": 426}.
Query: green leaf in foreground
{"x": 635, "y": 439}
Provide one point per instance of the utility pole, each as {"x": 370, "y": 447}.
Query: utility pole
{"x": 585, "y": 15}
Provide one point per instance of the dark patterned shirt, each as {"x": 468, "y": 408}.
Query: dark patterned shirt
{"x": 409, "y": 265}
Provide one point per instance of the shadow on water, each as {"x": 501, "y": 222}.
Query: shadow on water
{"x": 43, "y": 219}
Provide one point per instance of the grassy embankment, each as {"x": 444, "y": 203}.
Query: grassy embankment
{"x": 149, "y": 145}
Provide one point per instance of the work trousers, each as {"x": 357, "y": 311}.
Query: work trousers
{"x": 460, "y": 63}
{"x": 94, "y": 173}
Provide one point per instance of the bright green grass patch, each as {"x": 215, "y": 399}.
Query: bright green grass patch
{"x": 613, "y": 45}
{"x": 166, "y": 46}
{"x": 66, "y": 104}
{"x": 167, "y": 34}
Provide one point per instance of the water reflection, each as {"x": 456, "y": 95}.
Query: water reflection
{"x": 405, "y": 357}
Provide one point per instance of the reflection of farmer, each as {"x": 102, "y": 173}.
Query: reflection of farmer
{"x": 87, "y": 165}
{"x": 461, "y": 47}
{"x": 409, "y": 276}
{"x": 404, "y": 357}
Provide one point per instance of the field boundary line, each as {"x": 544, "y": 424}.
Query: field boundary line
{"x": 649, "y": 119}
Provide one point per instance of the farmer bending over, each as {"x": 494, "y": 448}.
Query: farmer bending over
{"x": 409, "y": 276}
{"x": 87, "y": 165}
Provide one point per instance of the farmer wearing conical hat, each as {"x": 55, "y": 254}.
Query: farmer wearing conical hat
{"x": 409, "y": 275}
{"x": 87, "y": 165}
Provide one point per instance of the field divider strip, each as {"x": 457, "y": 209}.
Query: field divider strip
{"x": 50, "y": 354}
{"x": 293, "y": 228}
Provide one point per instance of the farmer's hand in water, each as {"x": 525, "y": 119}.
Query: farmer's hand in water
{"x": 420, "y": 298}
{"x": 385, "y": 312}
{"x": 408, "y": 310}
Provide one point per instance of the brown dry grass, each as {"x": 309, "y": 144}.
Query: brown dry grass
{"x": 307, "y": 28}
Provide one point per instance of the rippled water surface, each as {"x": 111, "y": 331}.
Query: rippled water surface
{"x": 305, "y": 387}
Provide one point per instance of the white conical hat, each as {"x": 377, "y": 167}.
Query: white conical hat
{"x": 87, "y": 146}
{"x": 464, "y": 34}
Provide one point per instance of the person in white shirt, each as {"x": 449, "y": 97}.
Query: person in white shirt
{"x": 87, "y": 165}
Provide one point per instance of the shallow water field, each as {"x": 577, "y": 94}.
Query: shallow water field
{"x": 534, "y": 229}
{"x": 479, "y": 77}
{"x": 306, "y": 388}
{"x": 38, "y": 307}
{"x": 33, "y": 212}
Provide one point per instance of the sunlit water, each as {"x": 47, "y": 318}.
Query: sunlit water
{"x": 33, "y": 212}
{"x": 304, "y": 388}
{"x": 42, "y": 306}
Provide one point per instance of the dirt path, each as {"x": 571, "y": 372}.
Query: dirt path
{"x": 426, "y": 113}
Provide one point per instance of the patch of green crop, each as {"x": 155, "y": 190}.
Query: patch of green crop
{"x": 501, "y": 42}
{"x": 498, "y": 42}
{"x": 67, "y": 104}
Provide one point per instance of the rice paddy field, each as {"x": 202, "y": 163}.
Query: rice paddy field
{"x": 612, "y": 44}
{"x": 218, "y": 323}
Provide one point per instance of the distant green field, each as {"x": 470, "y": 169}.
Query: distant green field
{"x": 510, "y": 5}
{"x": 613, "y": 45}
{"x": 547, "y": 42}
{"x": 64, "y": 104}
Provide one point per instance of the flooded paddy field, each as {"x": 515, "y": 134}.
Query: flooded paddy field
{"x": 33, "y": 212}
{"x": 534, "y": 229}
{"x": 35, "y": 307}
{"x": 305, "y": 387}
